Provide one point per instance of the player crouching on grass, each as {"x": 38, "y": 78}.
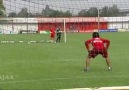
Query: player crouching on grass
{"x": 99, "y": 46}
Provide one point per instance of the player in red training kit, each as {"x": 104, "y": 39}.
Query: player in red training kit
{"x": 52, "y": 34}
{"x": 99, "y": 46}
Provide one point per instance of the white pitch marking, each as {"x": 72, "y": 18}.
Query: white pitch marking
{"x": 21, "y": 41}
{"x": 101, "y": 88}
{"x": 54, "y": 79}
{"x": 32, "y": 41}
{"x": 11, "y": 41}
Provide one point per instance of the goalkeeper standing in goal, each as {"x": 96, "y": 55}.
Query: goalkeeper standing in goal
{"x": 58, "y": 34}
{"x": 99, "y": 46}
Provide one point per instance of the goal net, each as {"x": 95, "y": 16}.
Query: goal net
{"x": 38, "y": 16}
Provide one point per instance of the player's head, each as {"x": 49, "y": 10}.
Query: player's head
{"x": 95, "y": 34}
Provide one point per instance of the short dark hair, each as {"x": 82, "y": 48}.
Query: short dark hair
{"x": 95, "y": 34}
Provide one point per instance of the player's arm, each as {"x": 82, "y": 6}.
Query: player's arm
{"x": 107, "y": 43}
{"x": 87, "y": 45}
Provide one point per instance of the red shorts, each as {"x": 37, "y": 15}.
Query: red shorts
{"x": 94, "y": 53}
{"x": 52, "y": 35}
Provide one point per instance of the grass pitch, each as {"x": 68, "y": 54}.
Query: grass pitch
{"x": 51, "y": 66}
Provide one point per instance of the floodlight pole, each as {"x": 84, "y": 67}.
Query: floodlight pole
{"x": 98, "y": 19}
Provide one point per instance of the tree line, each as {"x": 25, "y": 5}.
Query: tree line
{"x": 106, "y": 11}
{"x": 2, "y": 9}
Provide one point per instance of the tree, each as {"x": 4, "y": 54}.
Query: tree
{"x": 92, "y": 12}
{"x": 23, "y": 13}
{"x": 48, "y": 12}
{"x": 31, "y": 14}
{"x": 2, "y": 8}
{"x": 105, "y": 12}
{"x": 110, "y": 11}
{"x": 67, "y": 14}
{"x": 114, "y": 11}
{"x": 82, "y": 13}
{"x": 12, "y": 14}
{"x": 56, "y": 13}
{"x": 37, "y": 15}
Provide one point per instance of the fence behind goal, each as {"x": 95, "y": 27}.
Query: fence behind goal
{"x": 70, "y": 15}
{"x": 93, "y": 10}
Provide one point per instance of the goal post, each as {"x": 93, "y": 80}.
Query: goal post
{"x": 64, "y": 30}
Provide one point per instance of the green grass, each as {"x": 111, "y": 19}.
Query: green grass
{"x": 51, "y": 66}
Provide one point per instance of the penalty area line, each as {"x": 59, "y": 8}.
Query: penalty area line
{"x": 101, "y": 88}
{"x": 32, "y": 41}
{"x": 60, "y": 79}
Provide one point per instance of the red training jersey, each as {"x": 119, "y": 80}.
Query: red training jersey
{"x": 52, "y": 31}
{"x": 97, "y": 43}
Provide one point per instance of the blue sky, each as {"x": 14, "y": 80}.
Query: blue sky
{"x": 73, "y": 5}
